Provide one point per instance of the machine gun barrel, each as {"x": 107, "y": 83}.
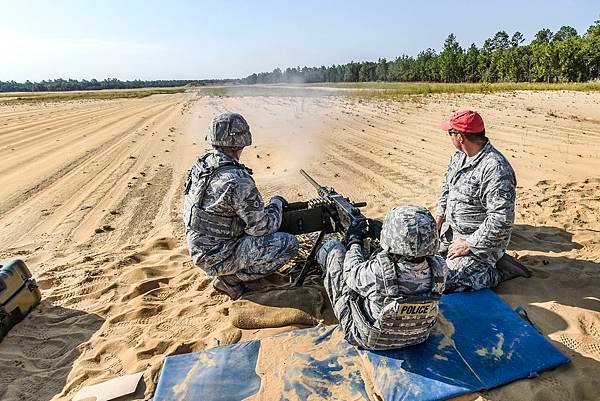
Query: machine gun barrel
{"x": 321, "y": 190}
{"x": 310, "y": 179}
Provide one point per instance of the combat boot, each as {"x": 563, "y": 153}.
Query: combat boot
{"x": 230, "y": 285}
{"x": 510, "y": 268}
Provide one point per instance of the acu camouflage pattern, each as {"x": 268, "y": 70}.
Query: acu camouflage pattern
{"x": 409, "y": 231}
{"x": 229, "y": 130}
{"x": 478, "y": 204}
{"x": 366, "y": 295}
{"x": 229, "y": 229}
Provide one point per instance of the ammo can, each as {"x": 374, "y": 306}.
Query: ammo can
{"x": 19, "y": 293}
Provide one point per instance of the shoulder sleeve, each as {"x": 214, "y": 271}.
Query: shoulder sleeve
{"x": 498, "y": 195}
{"x": 249, "y": 206}
{"x": 360, "y": 275}
{"x": 443, "y": 199}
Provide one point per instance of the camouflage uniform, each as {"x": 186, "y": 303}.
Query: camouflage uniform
{"x": 229, "y": 229}
{"x": 478, "y": 204}
{"x": 367, "y": 295}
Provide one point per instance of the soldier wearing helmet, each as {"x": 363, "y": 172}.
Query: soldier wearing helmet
{"x": 390, "y": 300}
{"x": 476, "y": 209}
{"x": 232, "y": 235}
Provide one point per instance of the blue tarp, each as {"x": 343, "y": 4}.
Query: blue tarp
{"x": 479, "y": 343}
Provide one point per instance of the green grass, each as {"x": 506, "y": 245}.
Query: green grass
{"x": 398, "y": 89}
{"x": 39, "y": 97}
{"x": 375, "y": 90}
{"x": 384, "y": 90}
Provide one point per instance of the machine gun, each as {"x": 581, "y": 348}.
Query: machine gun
{"x": 330, "y": 212}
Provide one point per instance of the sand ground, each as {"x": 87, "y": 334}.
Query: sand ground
{"x": 90, "y": 198}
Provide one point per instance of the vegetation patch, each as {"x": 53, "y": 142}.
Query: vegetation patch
{"x": 387, "y": 90}
{"x": 46, "y": 97}
{"x": 561, "y": 56}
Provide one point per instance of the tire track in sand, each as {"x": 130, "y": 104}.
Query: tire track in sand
{"x": 38, "y": 195}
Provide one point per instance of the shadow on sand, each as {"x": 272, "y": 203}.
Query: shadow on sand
{"x": 37, "y": 355}
{"x": 542, "y": 239}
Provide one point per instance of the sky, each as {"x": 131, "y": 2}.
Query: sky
{"x": 178, "y": 39}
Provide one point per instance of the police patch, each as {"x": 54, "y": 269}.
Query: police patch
{"x": 415, "y": 310}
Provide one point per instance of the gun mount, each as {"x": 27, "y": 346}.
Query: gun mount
{"x": 330, "y": 212}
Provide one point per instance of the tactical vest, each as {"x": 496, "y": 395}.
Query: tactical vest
{"x": 220, "y": 227}
{"x": 405, "y": 319}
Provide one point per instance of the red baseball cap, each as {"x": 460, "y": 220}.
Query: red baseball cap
{"x": 465, "y": 120}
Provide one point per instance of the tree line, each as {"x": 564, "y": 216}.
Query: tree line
{"x": 561, "y": 56}
{"x": 59, "y": 85}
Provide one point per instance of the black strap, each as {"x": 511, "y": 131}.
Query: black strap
{"x": 390, "y": 278}
{"x": 438, "y": 277}
{"x": 209, "y": 173}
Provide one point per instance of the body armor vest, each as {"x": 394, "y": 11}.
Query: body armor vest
{"x": 405, "y": 319}
{"x": 223, "y": 227}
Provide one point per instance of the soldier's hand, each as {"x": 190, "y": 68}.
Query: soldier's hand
{"x": 356, "y": 232}
{"x": 458, "y": 248}
{"x": 281, "y": 199}
{"x": 439, "y": 220}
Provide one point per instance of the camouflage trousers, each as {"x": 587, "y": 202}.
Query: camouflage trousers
{"x": 249, "y": 257}
{"x": 257, "y": 257}
{"x": 331, "y": 258}
{"x": 467, "y": 273}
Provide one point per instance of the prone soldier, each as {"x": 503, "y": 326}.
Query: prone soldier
{"x": 231, "y": 234}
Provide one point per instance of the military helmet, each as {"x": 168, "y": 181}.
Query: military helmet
{"x": 229, "y": 130}
{"x": 409, "y": 231}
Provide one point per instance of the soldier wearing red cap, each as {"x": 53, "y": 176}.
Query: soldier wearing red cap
{"x": 476, "y": 209}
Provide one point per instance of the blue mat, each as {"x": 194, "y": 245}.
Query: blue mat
{"x": 480, "y": 343}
